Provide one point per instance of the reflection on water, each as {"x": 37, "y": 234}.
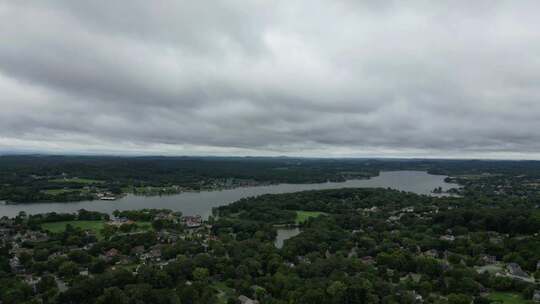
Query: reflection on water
{"x": 191, "y": 203}
{"x": 285, "y": 234}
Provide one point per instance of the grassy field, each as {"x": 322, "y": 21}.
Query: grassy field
{"x": 508, "y": 298}
{"x": 57, "y": 227}
{"x": 85, "y": 181}
{"x": 302, "y": 216}
{"x": 94, "y": 226}
{"x": 58, "y": 191}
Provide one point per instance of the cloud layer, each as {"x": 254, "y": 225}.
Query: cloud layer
{"x": 311, "y": 78}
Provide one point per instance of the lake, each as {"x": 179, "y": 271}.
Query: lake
{"x": 191, "y": 203}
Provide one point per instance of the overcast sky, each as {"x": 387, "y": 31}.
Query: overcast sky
{"x": 299, "y": 78}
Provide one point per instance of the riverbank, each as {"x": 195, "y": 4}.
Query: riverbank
{"x": 190, "y": 203}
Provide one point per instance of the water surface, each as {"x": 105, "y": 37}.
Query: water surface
{"x": 191, "y": 203}
{"x": 285, "y": 234}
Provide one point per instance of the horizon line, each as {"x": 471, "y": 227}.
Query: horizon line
{"x": 127, "y": 155}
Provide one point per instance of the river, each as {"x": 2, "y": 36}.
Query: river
{"x": 191, "y": 203}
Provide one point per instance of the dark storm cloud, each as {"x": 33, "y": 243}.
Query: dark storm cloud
{"x": 314, "y": 78}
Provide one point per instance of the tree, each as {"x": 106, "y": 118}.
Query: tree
{"x": 336, "y": 290}
{"x": 98, "y": 266}
{"x": 459, "y": 299}
{"x": 112, "y": 295}
{"x": 46, "y": 283}
{"x": 200, "y": 274}
{"x": 68, "y": 269}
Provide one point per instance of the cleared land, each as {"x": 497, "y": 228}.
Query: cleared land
{"x": 302, "y": 216}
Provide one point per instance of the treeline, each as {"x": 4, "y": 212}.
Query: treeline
{"x": 142, "y": 214}
{"x": 503, "y": 220}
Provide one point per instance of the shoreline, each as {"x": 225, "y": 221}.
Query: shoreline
{"x": 224, "y": 189}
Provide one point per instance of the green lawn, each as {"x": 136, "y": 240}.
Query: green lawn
{"x": 94, "y": 226}
{"x": 492, "y": 269}
{"x": 302, "y": 216}
{"x": 144, "y": 226}
{"x": 508, "y": 298}
{"x": 57, "y": 227}
{"x": 85, "y": 181}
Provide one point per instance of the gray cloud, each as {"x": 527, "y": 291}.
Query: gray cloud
{"x": 313, "y": 78}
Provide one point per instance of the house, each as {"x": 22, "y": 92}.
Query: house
{"x": 245, "y": 300}
{"x": 153, "y": 254}
{"x": 432, "y": 253}
{"x": 352, "y": 253}
{"x": 165, "y": 236}
{"x": 165, "y": 216}
{"x": 394, "y": 218}
{"x": 415, "y": 277}
{"x": 192, "y": 221}
{"x": 5, "y": 232}
{"x": 417, "y": 297}
{"x": 303, "y": 259}
{"x": 88, "y": 246}
{"x": 488, "y": 259}
{"x": 111, "y": 254}
{"x": 448, "y": 238}
{"x": 34, "y": 236}
{"x": 408, "y": 209}
{"x": 496, "y": 240}
{"x": 106, "y": 196}
{"x": 6, "y": 221}
{"x": 289, "y": 264}
{"x": 137, "y": 251}
{"x": 15, "y": 265}
{"x": 514, "y": 270}
{"x": 368, "y": 260}
{"x": 32, "y": 281}
{"x": 57, "y": 254}
{"x": 536, "y": 296}
{"x": 369, "y": 210}
{"x": 124, "y": 260}
{"x": 161, "y": 216}
{"x": 62, "y": 286}
{"x": 327, "y": 254}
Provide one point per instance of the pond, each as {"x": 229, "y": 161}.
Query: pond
{"x": 285, "y": 234}
{"x": 191, "y": 203}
